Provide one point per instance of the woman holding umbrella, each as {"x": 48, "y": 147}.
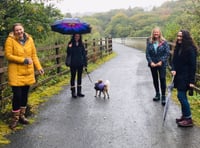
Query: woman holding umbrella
{"x": 78, "y": 60}
{"x": 184, "y": 68}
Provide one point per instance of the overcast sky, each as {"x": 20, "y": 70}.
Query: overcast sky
{"x": 81, "y": 6}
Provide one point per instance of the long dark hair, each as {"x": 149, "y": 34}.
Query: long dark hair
{"x": 73, "y": 41}
{"x": 187, "y": 40}
{"x": 187, "y": 43}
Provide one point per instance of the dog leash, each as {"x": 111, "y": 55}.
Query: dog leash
{"x": 88, "y": 75}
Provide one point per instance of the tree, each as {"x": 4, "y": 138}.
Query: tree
{"x": 36, "y": 17}
{"x": 171, "y": 30}
{"x": 119, "y": 24}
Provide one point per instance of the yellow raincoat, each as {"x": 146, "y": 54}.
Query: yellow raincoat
{"x": 20, "y": 74}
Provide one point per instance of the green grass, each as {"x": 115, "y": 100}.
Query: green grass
{"x": 195, "y": 108}
{"x": 41, "y": 95}
{"x": 194, "y": 104}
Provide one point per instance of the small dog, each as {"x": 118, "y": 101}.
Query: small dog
{"x": 102, "y": 87}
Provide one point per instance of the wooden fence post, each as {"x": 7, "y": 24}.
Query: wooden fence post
{"x": 106, "y": 44}
{"x": 110, "y": 44}
{"x": 101, "y": 47}
{"x": 86, "y": 44}
{"x": 57, "y": 58}
{"x": 86, "y": 47}
{"x": 94, "y": 50}
{"x": 2, "y": 73}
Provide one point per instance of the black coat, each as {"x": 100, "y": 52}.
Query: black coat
{"x": 78, "y": 56}
{"x": 184, "y": 63}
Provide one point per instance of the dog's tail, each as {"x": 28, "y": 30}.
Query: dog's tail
{"x": 107, "y": 83}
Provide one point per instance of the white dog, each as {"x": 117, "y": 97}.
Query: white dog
{"x": 103, "y": 87}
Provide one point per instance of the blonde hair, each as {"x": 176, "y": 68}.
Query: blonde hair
{"x": 161, "y": 38}
{"x": 16, "y": 24}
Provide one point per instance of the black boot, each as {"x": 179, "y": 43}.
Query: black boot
{"x": 157, "y": 97}
{"x": 79, "y": 94}
{"x": 163, "y": 100}
{"x": 73, "y": 90}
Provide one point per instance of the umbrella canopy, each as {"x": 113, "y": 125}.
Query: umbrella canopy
{"x": 71, "y": 26}
{"x": 169, "y": 88}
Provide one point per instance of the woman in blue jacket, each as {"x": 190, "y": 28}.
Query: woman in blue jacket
{"x": 157, "y": 53}
{"x": 184, "y": 68}
{"x": 78, "y": 61}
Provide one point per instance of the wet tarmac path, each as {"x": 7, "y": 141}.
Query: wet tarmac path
{"x": 129, "y": 119}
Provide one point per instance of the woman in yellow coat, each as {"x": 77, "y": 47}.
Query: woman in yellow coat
{"x": 22, "y": 58}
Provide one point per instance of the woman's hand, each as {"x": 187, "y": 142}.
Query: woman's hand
{"x": 28, "y": 61}
{"x": 70, "y": 45}
{"x": 159, "y": 63}
{"x": 191, "y": 85}
{"x": 173, "y": 72}
{"x": 41, "y": 71}
{"x": 153, "y": 64}
{"x": 85, "y": 68}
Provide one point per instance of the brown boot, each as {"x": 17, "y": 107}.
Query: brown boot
{"x": 179, "y": 119}
{"x": 186, "y": 123}
{"x": 22, "y": 118}
{"x": 15, "y": 119}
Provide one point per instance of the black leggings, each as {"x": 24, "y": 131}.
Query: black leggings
{"x": 79, "y": 71}
{"x": 20, "y": 97}
{"x": 159, "y": 73}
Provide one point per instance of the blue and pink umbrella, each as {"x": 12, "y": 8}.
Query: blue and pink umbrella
{"x": 71, "y": 26}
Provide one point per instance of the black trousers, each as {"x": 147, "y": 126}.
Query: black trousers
{"x": 74, "y": 71}
{"x": 159, "y": 74}
{"x": 20, "y": 97}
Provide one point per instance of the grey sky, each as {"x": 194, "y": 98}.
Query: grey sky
{"x": 80, "y": 6}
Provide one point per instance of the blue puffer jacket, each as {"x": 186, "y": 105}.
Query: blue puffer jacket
{"x": 162, "y": 53}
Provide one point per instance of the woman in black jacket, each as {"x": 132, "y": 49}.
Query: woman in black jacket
{"x": 77, "y": 53}
{"x": 184, "y": 68}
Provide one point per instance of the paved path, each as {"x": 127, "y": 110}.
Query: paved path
{"x": 129, "y": 119}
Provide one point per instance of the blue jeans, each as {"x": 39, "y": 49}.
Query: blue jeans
{"x": 185, "y": 106}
